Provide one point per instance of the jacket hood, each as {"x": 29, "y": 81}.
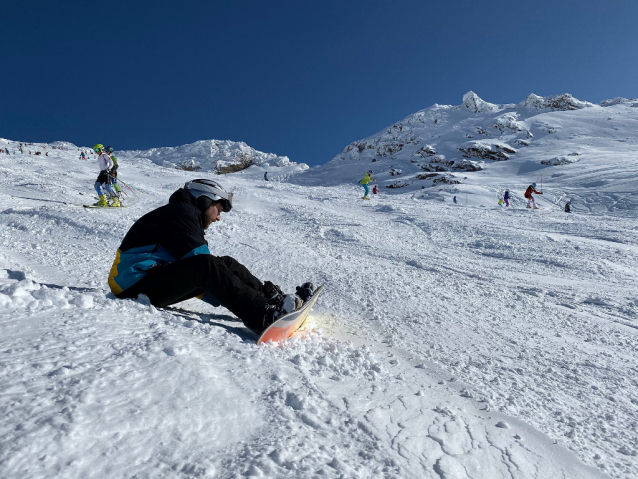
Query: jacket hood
{"x": 182, "y": 196}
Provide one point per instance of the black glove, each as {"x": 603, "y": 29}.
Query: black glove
{"x": 272, "y": 291}
{"x": 305, "y": 291}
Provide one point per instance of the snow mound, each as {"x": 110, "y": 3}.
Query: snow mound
{"x": 209, "y": 155}
{"x": 63, "y": 144}
{"x": 563, "y": 102}
{"x": 617, "y": 101}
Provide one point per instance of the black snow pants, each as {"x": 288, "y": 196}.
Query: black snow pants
{"x": 223, "y": 277}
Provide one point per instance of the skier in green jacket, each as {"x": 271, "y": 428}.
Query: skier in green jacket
{"x": 367, "y": 178}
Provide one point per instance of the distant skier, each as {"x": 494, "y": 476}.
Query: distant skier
{"x": 103, "y": 179}
{"x": 7, "y": 151}
{"x": 82, "y": 157}
{"x": 528, "y": 194}
{"x": 367, "y": 178}
{"x": 113, "y": 173}
{"x": 266, "y": 176}
{"x": 166, "y": 257}
{"x": 568, "y": 207}
{"x": 454, "y": 199}
{"x": 506, "y": 198}
{"x": 375, "y": 190}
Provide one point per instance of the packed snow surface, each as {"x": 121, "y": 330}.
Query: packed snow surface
{"x": 451, "y": 341}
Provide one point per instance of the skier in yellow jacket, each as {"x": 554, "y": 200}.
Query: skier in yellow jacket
{"x": 367, "y": 178}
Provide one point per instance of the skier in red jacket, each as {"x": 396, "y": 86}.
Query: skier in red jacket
{"x": 528, "y": 194}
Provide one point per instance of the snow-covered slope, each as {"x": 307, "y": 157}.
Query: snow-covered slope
{"x": 577, "y": 150}
{"x": 451, "y": 341}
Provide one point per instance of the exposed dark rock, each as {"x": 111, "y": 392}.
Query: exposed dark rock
{"x": 487, "y": 152}
{"x": 559, "y": 160}
{"x": 447, "y": 179}
{"x": 426, "y": 176}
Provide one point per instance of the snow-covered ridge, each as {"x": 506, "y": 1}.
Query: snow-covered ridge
{"x": 209, "y": 155}
{"x": 459, "y": 146}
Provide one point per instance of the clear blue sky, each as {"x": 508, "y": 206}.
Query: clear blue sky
{"x": 296, "y": 78}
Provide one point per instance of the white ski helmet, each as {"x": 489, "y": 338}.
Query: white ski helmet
{"x": 210, "y": 189}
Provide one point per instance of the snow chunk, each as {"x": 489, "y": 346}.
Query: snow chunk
{"x": 473, "y": 102}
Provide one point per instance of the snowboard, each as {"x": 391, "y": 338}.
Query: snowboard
{"x": 289, "y": 323}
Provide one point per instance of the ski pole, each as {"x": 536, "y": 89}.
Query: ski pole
{"x": 126, "y": 186}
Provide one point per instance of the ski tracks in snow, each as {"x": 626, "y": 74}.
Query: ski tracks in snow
{"x": 451, "y": 342}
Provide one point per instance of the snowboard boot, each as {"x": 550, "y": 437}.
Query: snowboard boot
{"x": 365, "y": 197}
{"x": 283, "y": 305}
{"x": 529, "y": 206}
{"x": 305, "y": 291}
{"x": 536, "y": 208}
{"x": 272, "y": 292}
{"x": 102, "y": 201}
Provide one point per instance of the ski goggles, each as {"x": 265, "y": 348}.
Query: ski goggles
{"x": 227, "y": 203}
{"x": 216, "y": 194}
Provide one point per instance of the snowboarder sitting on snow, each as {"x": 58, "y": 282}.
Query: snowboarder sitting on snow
{"x": 375, "y": 190}
{"x": 528, "y": 194}
{"x": 568, "y": 207}
{"x": 506, "y": 198}
{"x": 166, "y": 257}
{"x": 104, "y": 179}
{"x": 367, "y": 178}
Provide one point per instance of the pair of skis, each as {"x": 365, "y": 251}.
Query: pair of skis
{"x": 105, "y": 206}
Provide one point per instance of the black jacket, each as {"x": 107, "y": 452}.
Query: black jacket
{"x": 171, "y": 232}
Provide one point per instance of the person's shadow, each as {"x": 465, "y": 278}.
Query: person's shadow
{"x": 207, "y": 318}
